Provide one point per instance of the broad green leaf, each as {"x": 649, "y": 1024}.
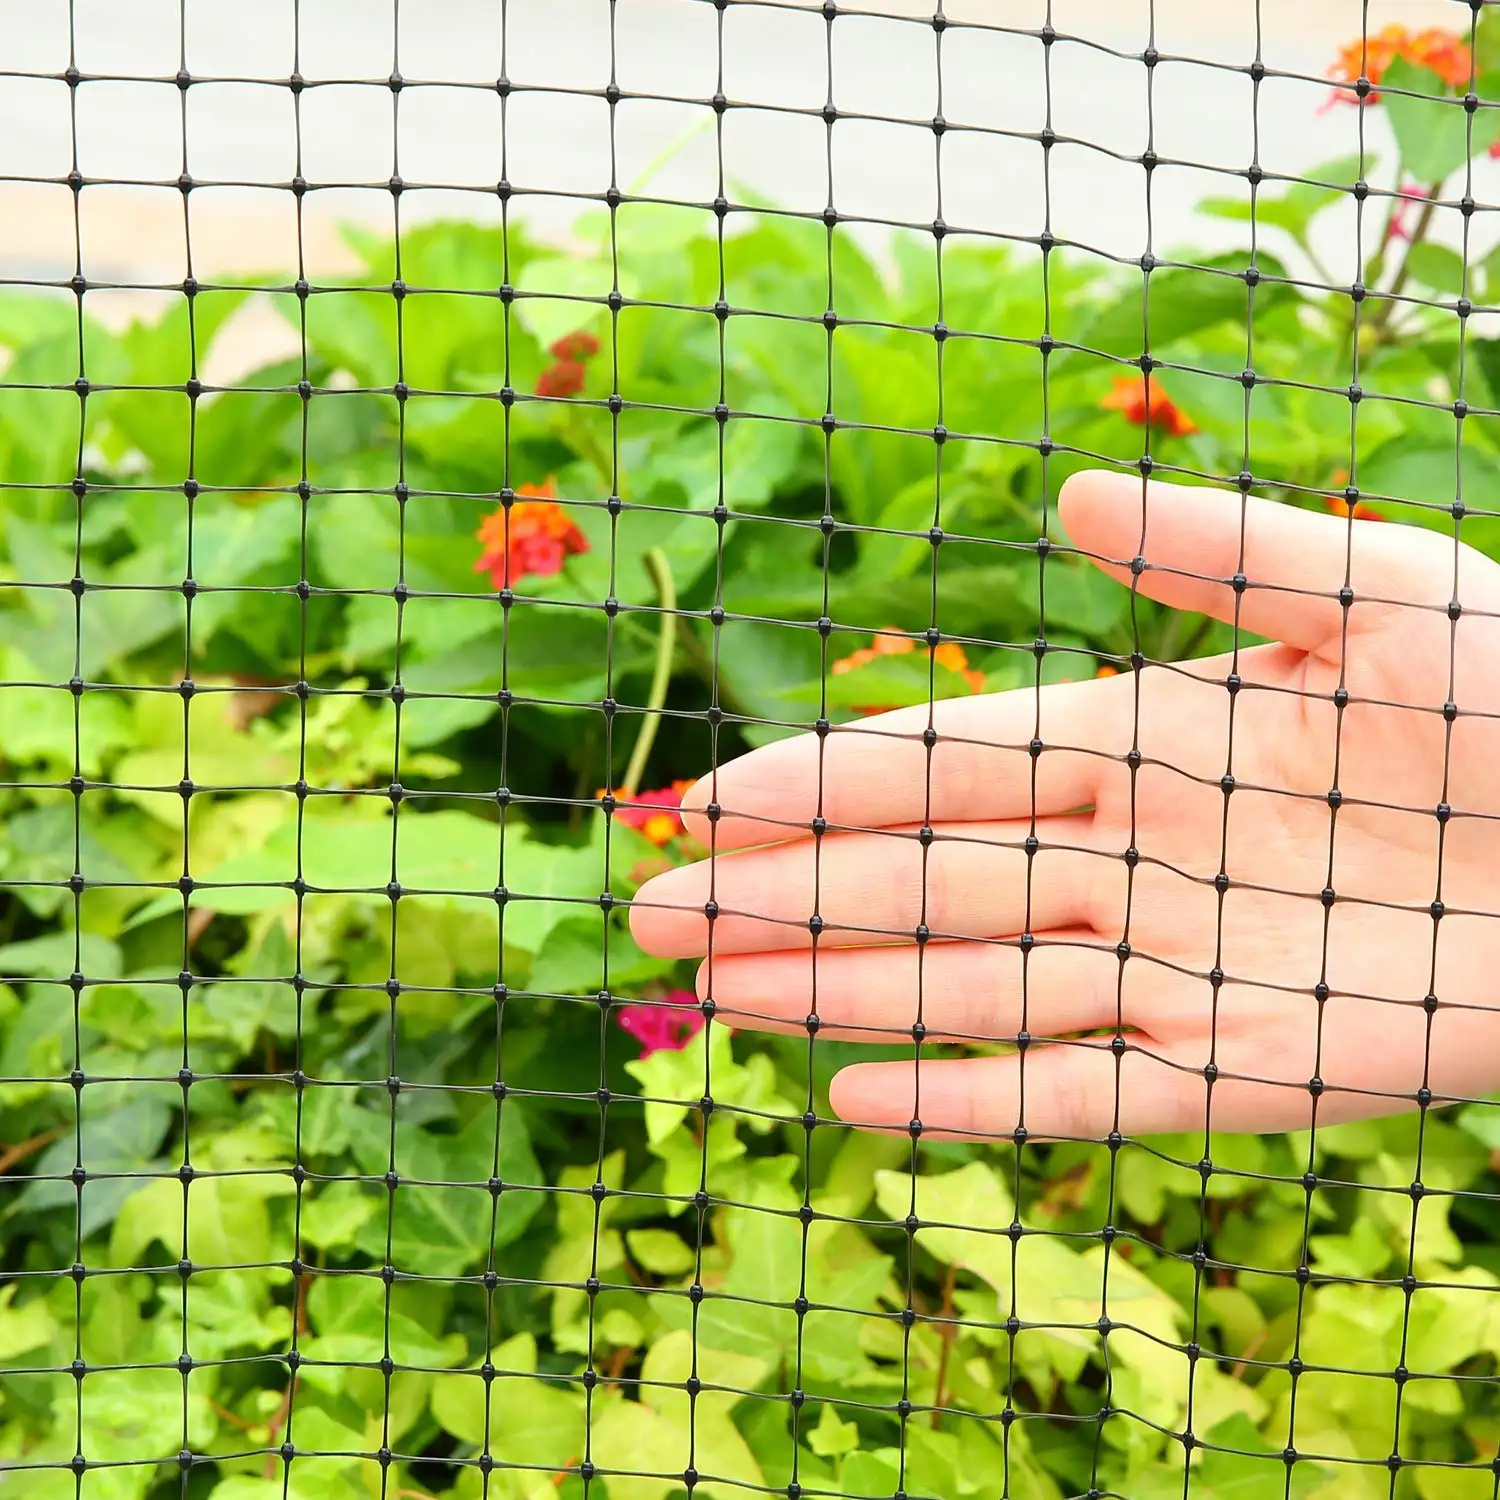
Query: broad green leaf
{"x": 661, "y": 1252}
{"x": 24, "y": 1328}
{"x": 445, "y": 1221}
{"x": 452, "y": 857}
{"x": 532, "y": 1419}
{"x": 228, "y": 1220}
{"x": 886, "y": 682}
{"x": 334, "y": 1213}
{"x": 1438, "y": 267}
{"x": 1182, "y": 301}
{"x": 1237, "y": 1465}
{"x": 353, "y": 1325}
{"x": 560, "y": 294}
{"x": 58, "y": 954}
{"x": 1293, "y": 208}
{"x": 973, "y": 1197}
{"x": 1431, "y": 127}
{"x": 832, "y": 1437}
{"x": 644, "y": 1451}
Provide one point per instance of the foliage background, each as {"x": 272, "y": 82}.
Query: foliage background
{"x": 273, "y": 1083}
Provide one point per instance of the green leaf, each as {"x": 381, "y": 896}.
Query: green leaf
{"x": 441, "y": 1220}
{"x": 452, "y": 856}
{"x": 1254, "y": 1471}
{"x": 227, "y": 1219}
{"x": 1295, "y": 207}
{"x": 1183, "y": 301}
{"x": 888, "y": 682}
{"x": 559, "y": 294}
{"x": 1430, "y": 125}
{"x": 973, "y": 1197}
{"x": 661, "y": 1252}
{"x": 531, "y": 1419}
{"x": 334, "y": 1213}
{"x": 1438, "y": 267}
{"x": 58, "y": 954}
{"x": 22, "y": 1328}
{"x": 833, "y": 1437}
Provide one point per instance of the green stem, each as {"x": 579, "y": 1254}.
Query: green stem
{"x": 666, "y": 644}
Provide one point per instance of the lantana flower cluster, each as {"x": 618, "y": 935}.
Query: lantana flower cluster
{"x": 534, "y": 536}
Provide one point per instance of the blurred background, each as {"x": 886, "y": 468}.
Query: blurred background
{"x": 239, "y": 134}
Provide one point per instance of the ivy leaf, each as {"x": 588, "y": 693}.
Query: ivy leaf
{"x": 1251, "y": 1471}
{"x": 440, "y": 1218}
{"x": 531, "y": 1419}
{"x": 22, "y": 1328}
{"x": 354, "y": 1326}
{"x": 833, "y": 1437}
{"x": 661, "y": 1252}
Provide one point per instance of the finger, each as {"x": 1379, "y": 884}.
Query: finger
{"x": 1075, "y": 1090}
{"x": 960, "y": 991}
{"x": 860, "y": 888}
{"x": 1194, "y": 541}
{"x": 879, "y": 772}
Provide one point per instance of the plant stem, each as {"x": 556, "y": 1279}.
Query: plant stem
{"x": 1387, "y": 309}
{"x": 12, "y": 1155}
{"x": 946, "y": 1335}
{"x": 666, "y": 645}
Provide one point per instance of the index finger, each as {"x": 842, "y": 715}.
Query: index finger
{"x": 996, "y": 757}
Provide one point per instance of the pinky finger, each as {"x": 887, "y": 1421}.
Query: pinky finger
{"x": 1061, "y": 1091}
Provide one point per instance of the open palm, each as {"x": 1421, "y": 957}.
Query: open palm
{"x": 1254, "y": 892}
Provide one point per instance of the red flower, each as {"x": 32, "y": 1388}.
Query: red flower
{"x": 949, "y": 654}
{"x": 1338, "y": 506}
{"x": 1396, "y": 226}
{"x": 563, "y": 379}
{"x": 566, "y": 376}
{"x": 533, "y": 537}
{"x": 1445, "y": 52}
{"x": 654, "y": 813}
{"x": 667, "y": 1026}
{"x": 1141, "y": 402}
{"x": 575, "y": 346}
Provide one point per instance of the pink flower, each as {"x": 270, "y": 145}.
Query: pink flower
{"x": 1397, "y": 229}
{"x": 654, "y": 813}
{"x": 666, "y": 1026}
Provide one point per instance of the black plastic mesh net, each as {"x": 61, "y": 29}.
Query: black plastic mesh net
{"x": 748, "y": 749}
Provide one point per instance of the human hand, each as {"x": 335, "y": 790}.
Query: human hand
{"x": 1323, "y": 1010}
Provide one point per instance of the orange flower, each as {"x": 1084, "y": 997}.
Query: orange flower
{"x": 1445, "y": 52}
{"x": 1338, "y": 506}
{"x": 1139, "y": 402}
{"x": 654, "y": 813}
{"x": 948, "y": 654}
{"x": 1105, "y": 670}
{"x": 534, "y": 536}
{"x": 951, "y": 655}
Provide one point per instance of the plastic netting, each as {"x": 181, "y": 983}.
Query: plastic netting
{"x": 691, "y": 375}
